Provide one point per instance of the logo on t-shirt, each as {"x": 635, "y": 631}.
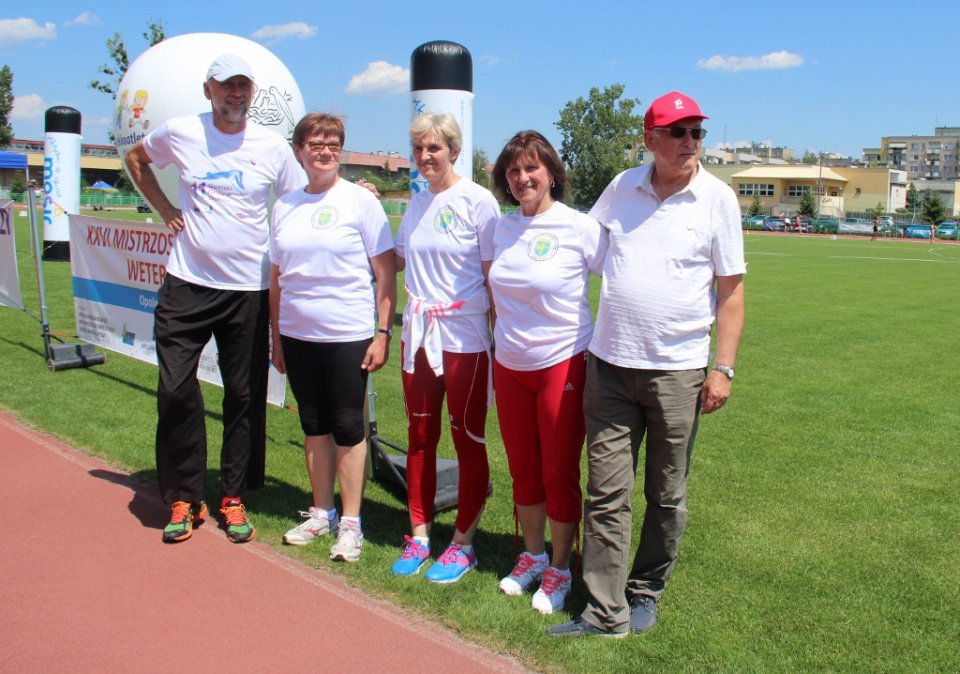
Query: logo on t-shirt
{"x": 446, "y": 220}
{"x": 325, "y": 217}
{"x": 543, "y": 247}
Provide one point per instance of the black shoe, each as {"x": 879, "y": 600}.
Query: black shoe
{"x": 643, "y": 614}
{"x": 581, "y": 628}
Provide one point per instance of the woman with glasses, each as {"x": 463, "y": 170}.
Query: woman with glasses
{"x": 329, "y": 242}
{"x": 445, "y": 242}
{"x": 543, "y": 256}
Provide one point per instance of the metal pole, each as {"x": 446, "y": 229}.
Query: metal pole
{"x": 38, "y": 259}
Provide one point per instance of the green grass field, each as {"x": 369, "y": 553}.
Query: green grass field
{"x": 823, "y": 497}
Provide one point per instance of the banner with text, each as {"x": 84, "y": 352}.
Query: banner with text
{"x": 9, "y": 278}
{"x": 117, "y": 271}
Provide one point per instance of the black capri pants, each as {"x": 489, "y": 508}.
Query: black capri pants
{"x": 329, "y": 385}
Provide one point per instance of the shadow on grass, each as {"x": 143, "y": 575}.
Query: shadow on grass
{"x": 38, "y": 351}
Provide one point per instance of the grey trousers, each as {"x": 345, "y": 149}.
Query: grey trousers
{"x": 621, "y": 406}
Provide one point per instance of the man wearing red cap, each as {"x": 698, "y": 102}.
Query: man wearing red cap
{"x": 216, "y": 284}
{"x": 674, "y": 267}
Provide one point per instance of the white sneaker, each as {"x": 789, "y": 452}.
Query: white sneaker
{"x": 349, "y": 543}
{"x": 553, "y": 591}
{"x": 528, "y": 570}
{"x": 315, "y": 525}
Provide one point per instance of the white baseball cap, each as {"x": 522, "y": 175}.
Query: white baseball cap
{"x": 229, "y": 65}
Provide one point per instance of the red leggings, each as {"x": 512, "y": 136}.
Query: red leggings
{"x": 541, "y": 421}
{"x": 464, "y": 381}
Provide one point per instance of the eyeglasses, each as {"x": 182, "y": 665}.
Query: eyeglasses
{"x": 316, "y": 147}
{"x": 681, "y": 131}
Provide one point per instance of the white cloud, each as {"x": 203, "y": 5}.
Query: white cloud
{"x": 735, "y": 64}
{"x": 490, "y": 60}
{"x": 13, "y": 31}
{"x": 274, "y": 34}
{"x": 380, "y": 79}
{"x": 85, "y": 19}
{"x": 29, "y": 106}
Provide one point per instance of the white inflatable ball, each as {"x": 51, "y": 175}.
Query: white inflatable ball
{"x": 167, "y": 81}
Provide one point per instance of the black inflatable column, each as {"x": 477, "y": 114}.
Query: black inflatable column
{"x": 61, "y": 179}
{"x": 441, "y": 80}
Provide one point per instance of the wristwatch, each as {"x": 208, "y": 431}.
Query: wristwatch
{"x": 725, "y": 370}
{"x": 388, "y": 332}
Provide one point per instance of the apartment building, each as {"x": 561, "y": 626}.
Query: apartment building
{"x": 934, "y": 157}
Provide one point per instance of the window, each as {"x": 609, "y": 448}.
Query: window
{"x": 916, "y": 157}
{"x": 914, "y": 146}
{"x": 914, "y": 169}
{"x": 948, "y": 157}
{"x": 755, "y": 190}
{"x": 797, "y": 190}
{"x": 948, "y": 146}
{"x": 858, "y": 191}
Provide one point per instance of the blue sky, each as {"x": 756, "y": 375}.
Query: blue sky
{"x": 814, "y": 75}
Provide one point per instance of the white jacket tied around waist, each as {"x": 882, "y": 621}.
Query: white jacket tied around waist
{"x": 421, "y": 322}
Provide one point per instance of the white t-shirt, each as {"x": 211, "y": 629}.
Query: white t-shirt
{"x": 443, "y": 238}
{"x": 540, "y": 283}
{"x": 322, "y": 244}
{"x": 657, "y": 300}
{"x": 225, "y": 182}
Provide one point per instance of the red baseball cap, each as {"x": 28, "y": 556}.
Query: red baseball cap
{"x": 669, "y": 108}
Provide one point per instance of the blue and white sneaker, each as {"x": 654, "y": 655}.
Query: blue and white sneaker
{"x": 453, "y": 563}
{"x": 414, "y": 556}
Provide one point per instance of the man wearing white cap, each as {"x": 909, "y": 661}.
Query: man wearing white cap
{"x": 675, "y": 266}
{"x": 216, "y": 284}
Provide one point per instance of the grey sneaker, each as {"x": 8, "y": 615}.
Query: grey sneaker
{"x": 553, "y": 591}
{"x": 315, "y": 525}
{"x": 581, "y": 628}
{"x": 527, "y": 571}
{"x": 349, "y": 543}
{"x": 643, "y": 614}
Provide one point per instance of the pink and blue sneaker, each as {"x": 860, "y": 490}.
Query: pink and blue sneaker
{"x": 414, "y": 556}
{"x": 453, "y": 563}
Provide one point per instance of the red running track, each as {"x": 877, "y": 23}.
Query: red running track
{"x": 87, "y": 586}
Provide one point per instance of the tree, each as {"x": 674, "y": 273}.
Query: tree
{"x": 808, "y": 204}
{"x": 120, "y": 61}
{"x": 809, "y": 157}
{"x": 933, "y": 210}
{"x": 6, "y": 105}
{"x": 18, "y": 185}
{"x": 597, "y": 135}
{"x": 480, "y": 161}
{"x": 877, "y": 210}
{"x": 756, "y": 206}
{"x": 913, "y": 198}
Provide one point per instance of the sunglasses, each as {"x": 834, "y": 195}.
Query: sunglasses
{"x": 681, "y": 131}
